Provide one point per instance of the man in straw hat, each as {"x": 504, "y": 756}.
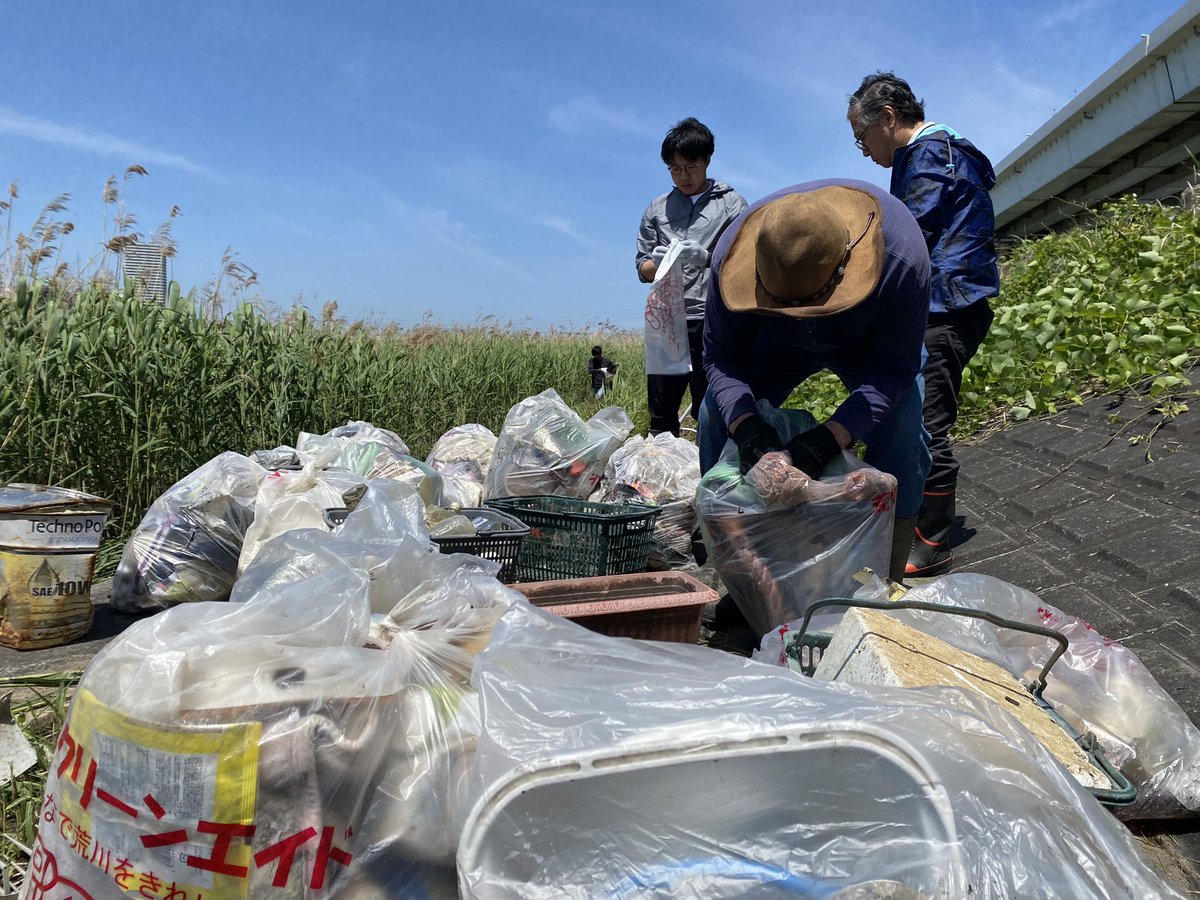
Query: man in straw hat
{"x": 828, "y": 275}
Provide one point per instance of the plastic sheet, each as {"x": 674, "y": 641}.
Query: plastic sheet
{"x": 663, "y": 471}
{"x": 776, "y": 560}
{"x": 1099, "y": 685}
{"x": 546, "y": 448}
{"x": 621, "y": 768}
{"x": 310, "y": 739}
{"x": 186, "y": 547}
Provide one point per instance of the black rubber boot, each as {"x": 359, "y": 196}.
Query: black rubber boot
{"x": 902, "y": 541}
{"x": 930, "y": 554}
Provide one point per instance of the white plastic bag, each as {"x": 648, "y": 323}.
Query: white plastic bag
{"x": 666, "y": 335}
{"x": 289, "y": 499}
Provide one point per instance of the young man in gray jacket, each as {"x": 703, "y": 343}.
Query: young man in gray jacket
{"x": 694, "y": 213}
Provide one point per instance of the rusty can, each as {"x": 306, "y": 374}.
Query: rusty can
{"x": 49, "y": 537}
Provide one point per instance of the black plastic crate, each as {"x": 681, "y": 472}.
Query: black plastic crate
{"x": 571, "y": 538}
{"x": 498, "y": 537}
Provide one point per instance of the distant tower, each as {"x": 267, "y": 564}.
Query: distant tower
{"x": 145, "y": 266}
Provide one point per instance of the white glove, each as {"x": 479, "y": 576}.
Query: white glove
{"x": 693, "y": 253}
{"x": 657, "y": 254}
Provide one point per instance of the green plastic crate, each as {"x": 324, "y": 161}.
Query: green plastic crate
{"x": 571, "y": 538}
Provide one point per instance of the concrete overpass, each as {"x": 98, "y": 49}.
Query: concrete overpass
{"x": 1133, "y": 130}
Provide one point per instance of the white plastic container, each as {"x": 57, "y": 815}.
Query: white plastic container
{"x": 770, "y": 809}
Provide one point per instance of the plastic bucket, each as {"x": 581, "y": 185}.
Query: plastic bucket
{"x": 48, "y": 542}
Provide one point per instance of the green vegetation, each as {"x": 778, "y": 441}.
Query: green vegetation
{"x": 122, "y": 398}
{"x": 1089, "y": 311}
{"x": 39, "y": 708}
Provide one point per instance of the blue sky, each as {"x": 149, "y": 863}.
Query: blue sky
{"x": 467, "y": 159}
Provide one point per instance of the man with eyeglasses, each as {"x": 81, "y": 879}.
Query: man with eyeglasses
{"x": 694, "y": 214}
{"x": 944, "y": 181}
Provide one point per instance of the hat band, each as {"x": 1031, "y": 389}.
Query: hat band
{"x": 828, "y": 288}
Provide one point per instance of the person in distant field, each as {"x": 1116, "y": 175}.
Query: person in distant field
{"x": 602, "y": 369}
{"x": 828, "y": 275}
{"x": 944, "y": 181}
{"x": 694, "y": 213}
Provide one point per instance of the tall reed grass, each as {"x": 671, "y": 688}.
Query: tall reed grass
{"x": 121, "y": 398}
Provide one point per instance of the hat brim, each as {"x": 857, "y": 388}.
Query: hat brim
{"x": 741, "y": 291}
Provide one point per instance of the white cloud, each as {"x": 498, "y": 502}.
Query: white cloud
{"x": 96, "y": 142}
{"x": 588, "y": 115}
{"x": 565, "y": 226}
{"x": 442, "y": 227}
{"x": 1062, "y": 13}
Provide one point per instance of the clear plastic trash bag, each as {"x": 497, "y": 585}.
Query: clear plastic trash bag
{"x": 1099, "y": 685}
{"x": 462, "y": 457}
{"x": 546, "y": 448}
{"x": 310, "y": 739}
{"x": 664, "y": 471}
{"x": 774, "y": 560}
{"x": 610, "y": 767}
{"x": 186, "y": 547}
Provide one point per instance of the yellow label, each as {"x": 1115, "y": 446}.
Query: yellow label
{"x": 175, "y": 805}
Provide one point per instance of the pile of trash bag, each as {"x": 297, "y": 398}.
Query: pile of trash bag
{"x": 310, "y": 738}
{"x": 337, "y": 710}
{"x": 777, "y": 559}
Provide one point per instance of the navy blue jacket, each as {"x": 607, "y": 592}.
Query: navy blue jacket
{"x": 875, "y": 347}
{"x": 944, "y": 181}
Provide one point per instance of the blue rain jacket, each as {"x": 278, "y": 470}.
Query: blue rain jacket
{"x": 944, "y": 181}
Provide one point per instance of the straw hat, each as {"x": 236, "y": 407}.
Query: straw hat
{"x": 817, "y": 253}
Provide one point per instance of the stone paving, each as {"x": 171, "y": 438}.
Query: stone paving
{"x": 1097, "y": 511}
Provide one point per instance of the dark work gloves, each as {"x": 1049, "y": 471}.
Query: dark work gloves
{"x": 813, "y": 450}
{"x": 754, "y": 439}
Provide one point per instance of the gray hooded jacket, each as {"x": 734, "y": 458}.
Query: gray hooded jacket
{"x": 674, "y": 216}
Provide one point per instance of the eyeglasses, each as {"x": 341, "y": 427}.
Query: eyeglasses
{"x": 690, "y": 168}
{"x": 858, "y": 138}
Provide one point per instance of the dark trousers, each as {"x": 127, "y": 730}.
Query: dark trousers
{"x": 951, "y": 339}
{"x": 664, "y": 393}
